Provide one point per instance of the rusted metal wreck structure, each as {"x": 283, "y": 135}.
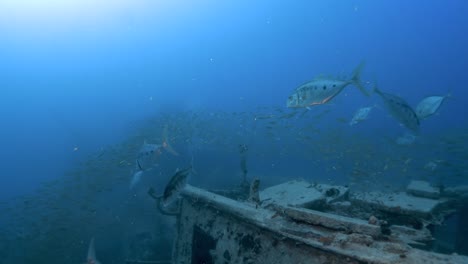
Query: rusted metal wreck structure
{"x": 300, "y": 222}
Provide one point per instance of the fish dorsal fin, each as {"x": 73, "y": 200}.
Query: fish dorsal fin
{"x": 448, "y": 95}
{"x": 320, "y": 77}
{"x": 91, "y": 251}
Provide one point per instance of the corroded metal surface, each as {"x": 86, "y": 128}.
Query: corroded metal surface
{"x": 216, "y": 229}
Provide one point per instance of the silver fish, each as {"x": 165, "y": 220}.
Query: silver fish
{"x": 361, "y": 115}
{"x": 136, "y": 179}
{"x": 400, "y": 110}
{"x": 429, "y": 106}
{"x": 406, "y": 139}
{"x": 322, "y": 90}
{"x": 148, "y": 155}
{"x": 175, "y": 186}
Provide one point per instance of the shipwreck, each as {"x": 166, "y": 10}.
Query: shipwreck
{"x": 302, "y": 222}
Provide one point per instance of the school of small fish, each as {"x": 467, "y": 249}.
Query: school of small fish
{"x": 96, "y": 197}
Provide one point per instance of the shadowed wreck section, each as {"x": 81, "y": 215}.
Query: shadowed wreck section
{"x": 287, "y": 227}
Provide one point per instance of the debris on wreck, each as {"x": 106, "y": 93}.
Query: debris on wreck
{"x": 296, "y": 221}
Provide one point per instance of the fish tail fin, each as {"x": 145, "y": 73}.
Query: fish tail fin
{"x": 166, "y": 144}
{"x": 356, "y": 78}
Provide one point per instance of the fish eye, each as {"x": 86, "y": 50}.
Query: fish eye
{"x": 324, "y": 87}
{"x": 334, "y": 85}
{"x": 315, "y": 87}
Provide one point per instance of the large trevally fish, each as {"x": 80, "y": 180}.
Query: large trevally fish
{"x": 429, "y": 106}
{"x": 322, "y": 90}
{"x": 400, "y": 110}
{"x": 148, "y": 155}
{"x": 91, "y": 258}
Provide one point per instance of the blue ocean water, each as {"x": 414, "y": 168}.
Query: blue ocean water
{"x": 86, "y": 77}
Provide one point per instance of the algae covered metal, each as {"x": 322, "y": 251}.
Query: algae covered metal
{"x": 299, "y": 222}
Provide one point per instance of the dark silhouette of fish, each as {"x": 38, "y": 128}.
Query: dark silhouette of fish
{"x": 175, "y": 186}
{"x": 400, "y": 110}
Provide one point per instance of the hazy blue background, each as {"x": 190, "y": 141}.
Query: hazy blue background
{"x": 79, "y": 74}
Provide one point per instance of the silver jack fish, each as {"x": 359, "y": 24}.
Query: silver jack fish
{"x": 429, "y": 106}
{"x": 148, "y": 155}
{"x": 407, "y": 139}
{"x": 322, "y": 90}
{"x": 361, "y": 115}
{"x": 400, "y": 110}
